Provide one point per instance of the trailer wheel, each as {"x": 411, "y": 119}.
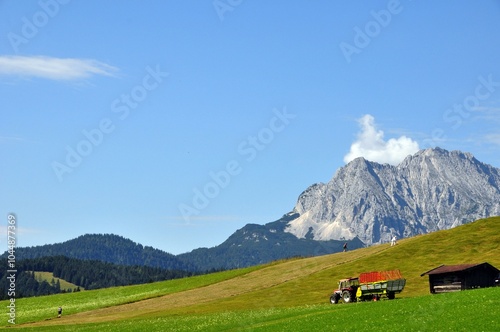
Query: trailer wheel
{"x": 334, "y": 299}
{"x": 347, "y": 297}
{"x": 391, "y": 295}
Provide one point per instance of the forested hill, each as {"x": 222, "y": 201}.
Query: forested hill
{"x": 89, "y": 274}
{"x": 107, "y": 248}
{"x": 251, "y": 245}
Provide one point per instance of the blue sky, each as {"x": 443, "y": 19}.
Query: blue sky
{"x": 175, "y": 123}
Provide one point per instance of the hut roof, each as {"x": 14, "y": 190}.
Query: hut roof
{"x": 453, "y": 268}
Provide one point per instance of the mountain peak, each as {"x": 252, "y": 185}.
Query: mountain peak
{"x": 430, "y": 190}
{"x": 438, "y": 152}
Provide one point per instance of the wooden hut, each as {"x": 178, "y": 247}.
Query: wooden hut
{"x": 451, "y": 278}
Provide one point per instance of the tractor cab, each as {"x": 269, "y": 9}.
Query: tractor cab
{"x": 348, "y": 283}
{"x": 346, "y": 291}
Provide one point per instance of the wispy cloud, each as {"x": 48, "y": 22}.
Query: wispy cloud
{"x": 15, "y": 140}
{"x": 180, "y": 220}
{"x": 487, "y": 113}
{"x": 11, "y": 138}
{"x": 19, "y": 231}
{"x": 207, "y": 218}
{"x": 53, "y": 68}
{"x": 493, "y": 139}
{"x": 371, "y": 145}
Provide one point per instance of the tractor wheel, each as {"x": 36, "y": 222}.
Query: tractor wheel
{"x": 334, "y": 299}
{"x": 391, "y": 295}
{"x": 347, "y": 297}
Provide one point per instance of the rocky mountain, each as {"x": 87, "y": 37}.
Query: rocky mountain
{"x": 367, "y": 203}
{"x": 363, "y": 204}
{"x": 432, "y": 190}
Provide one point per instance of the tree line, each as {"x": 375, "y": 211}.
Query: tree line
{"x": 89, "y": 274}
{"x": 107, "y": 248}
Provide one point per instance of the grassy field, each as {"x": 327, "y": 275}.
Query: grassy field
{"x": 292, "y": 294}
{"x": 463, "y": 311}
{"x": 49, "y": 276}
{"x": 44, "y": 308}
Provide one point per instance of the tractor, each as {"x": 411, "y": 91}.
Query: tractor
{"x": 369, "y": 286}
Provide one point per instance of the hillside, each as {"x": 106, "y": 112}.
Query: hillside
{"x": 49, "y": 277}
{"x": 251, "y": 245}
{"x": 364, "y": 203}
{"x": 285, "y": 284}
{"x": 367, "y": 203}
{"x": 84, "y": 274}
{"x": 259, "y": 244}
{"x": 107, "y": 248}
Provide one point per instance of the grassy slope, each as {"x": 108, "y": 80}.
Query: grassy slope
{"x": 475, "y": 310}
{"x": 44, "y": 307}
{"x": 472, "y": 243}
{"x": 287, "y": 284}
{"x": 49, "y": 276}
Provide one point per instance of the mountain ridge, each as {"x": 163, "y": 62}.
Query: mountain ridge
{"x": 431, "y": 190}
{"x": 109, "y": 248}
{"x": 364, "y": 203}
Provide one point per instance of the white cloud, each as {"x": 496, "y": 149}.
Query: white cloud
{"x": 370, "y": 144}
{"x": 53, "y": 68}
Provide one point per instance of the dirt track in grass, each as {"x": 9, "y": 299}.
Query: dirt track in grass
{"x": 181, "y": 302}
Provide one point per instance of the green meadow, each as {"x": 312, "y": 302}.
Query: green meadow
{"x": 291, "y": 295}
{"x": 49, "y": 277}
{"x": 462, "y": 311}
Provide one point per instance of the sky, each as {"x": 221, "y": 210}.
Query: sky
{"x": 175, "y": 123}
